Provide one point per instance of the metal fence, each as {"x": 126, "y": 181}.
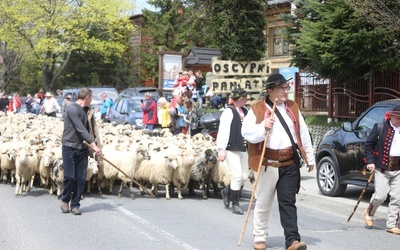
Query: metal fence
{"x": 321, "y": 96}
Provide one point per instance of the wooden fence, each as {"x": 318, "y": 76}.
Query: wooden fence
{"x": 335, "y": 99}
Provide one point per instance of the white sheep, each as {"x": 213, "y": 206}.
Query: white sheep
{"x": 135, "y": 156}
{"x": 25, "y": 162}
{"x": 7, "y": 164}
{"x": 181, "y": 176}
{"x": 125, "y": 161}
{"x": 220, "y": 174}
{"x": 91, "y": 171}
{"x": 157, "y": 170}
{"x": 47, "y": 159}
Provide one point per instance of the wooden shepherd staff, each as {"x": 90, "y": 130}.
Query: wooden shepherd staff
{"x": 112, "y": 164}
{"x": 361, "y": 196}
{"x": 258, "y": 175}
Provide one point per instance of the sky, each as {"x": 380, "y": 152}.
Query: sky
{"x": 141, "y": 4}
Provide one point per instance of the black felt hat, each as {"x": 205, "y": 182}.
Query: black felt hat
{"x": 238, "y": 92}
{"x": 275, "y": 80}
{"x": 395, "y": 111}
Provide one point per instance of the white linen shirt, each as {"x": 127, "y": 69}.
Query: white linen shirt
{"x": 224, "y": 129}
{"x": 277, "y": 137}
{"x": 395, "y": 148}
{"x": 51, "y": 105}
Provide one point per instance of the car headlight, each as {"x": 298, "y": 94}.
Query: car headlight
{"x": 330, "y": 132}
{"x": 139, "y": 122}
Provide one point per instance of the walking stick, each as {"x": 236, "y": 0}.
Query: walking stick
{"x": 258, "y": 175}
{"x": 361, "y": 196}
{"x": 112, "y": 164}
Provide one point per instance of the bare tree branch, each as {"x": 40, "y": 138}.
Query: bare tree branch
{"x": 9, "y": 63}
{"x": 380, "y": 13}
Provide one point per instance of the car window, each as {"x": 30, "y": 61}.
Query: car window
{"x": 373, "y": 116}
{"x": 134, "y": 106}
{"x": 124, "y": 106}
{"x": 117, "y": 105}
{"x": 97, "y": 93}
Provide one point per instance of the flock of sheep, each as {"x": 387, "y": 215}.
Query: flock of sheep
{"x": 31, "y": 150}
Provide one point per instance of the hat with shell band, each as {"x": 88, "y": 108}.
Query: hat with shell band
{"x": 237, "y": 93}
{"x": 395, "y": 111}
{"x": 275, "y": 80}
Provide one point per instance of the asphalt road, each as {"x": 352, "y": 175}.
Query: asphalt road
{"x": 34, "y": 221}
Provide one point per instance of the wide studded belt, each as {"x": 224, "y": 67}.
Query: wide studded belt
{"x": 278, "y": 157}
{"x": 394, "y": 163}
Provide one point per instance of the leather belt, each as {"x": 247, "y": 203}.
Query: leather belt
{"x": 279, "y": 154}
{"x": 394, "y": 163}
{"x": 278, "y": 164}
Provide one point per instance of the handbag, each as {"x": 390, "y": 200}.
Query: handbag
{"x": 298, "y": 158}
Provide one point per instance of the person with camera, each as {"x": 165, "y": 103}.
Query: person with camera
{"x": 280, "y": 169}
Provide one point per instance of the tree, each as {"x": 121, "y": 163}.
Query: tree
{"x": 10, "y": 62}
{"x": 234, "y": 26}
{"x": 238, "y": 28}
{"x": 52, "y": 30}
{"x": 383, "y": 13}
{"x": 332, "y": 40}
{"x": 174, "y": 25}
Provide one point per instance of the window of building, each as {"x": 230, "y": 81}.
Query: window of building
{"x": 280, "y": 46}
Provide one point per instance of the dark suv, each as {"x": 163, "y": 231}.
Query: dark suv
{"x": 340, "y": 154}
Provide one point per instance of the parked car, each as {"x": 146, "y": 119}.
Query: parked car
{"x": 340, "y": 154}
{"x": 138, "y": 91}
{"x": 127, "y": 110}
{"x": 97, "y": 92}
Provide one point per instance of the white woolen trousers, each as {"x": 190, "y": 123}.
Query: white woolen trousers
{"x": 238, "y": 165}
{"x": 265, "y": 195}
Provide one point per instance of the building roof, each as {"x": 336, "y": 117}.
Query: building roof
{"x": 201, "y": 56}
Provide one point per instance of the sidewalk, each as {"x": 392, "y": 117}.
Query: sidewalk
{"x": 309, "y": 187}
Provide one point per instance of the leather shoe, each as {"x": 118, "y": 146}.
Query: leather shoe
{"x": 75, "y": 211}
{"x": 296, "y": 245}
{"x": 236, "y": 209}
{"x": 369, "y": 220}
{"x": 394, "y": 230}
{"x": 260, "y": 245}
{"x": 64, "y": 207}
{"x": 226, "y": 196}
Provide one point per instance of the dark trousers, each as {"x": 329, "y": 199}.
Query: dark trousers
{"x": 287, "y": 187}
{"x": 52, "y": 114}
{"x": 75, "y": 163}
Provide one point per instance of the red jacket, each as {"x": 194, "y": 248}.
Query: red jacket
{"x": 17, "y": 102}
{"x": 150, "y": 112}
{"x": 182, "y": 81}
{"x": 10, "y": 106}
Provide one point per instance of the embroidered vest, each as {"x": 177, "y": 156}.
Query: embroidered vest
{"x": 236, "y": 141}
{"x": 255, "y": 150}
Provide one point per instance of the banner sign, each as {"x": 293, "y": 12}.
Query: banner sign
{"x": 228, "y": 75}
{"x": 226, "y": 85}
{"x": 232, "y": 68}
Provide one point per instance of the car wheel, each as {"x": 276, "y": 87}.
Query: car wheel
{"x": 328, "y": 178}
